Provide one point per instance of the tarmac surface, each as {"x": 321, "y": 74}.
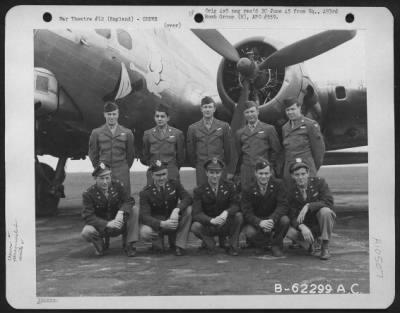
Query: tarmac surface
{"x": 68, "y": 267}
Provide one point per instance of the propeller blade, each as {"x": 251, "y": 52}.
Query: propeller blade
{"x": 217, "y": 42}
{"x": 307, "y": 48}
{"x": 238, "y": 118}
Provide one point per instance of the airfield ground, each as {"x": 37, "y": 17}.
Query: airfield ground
{"x": 67, "y": 267}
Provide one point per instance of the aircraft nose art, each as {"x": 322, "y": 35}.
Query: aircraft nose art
{"x": 123, "y": 86}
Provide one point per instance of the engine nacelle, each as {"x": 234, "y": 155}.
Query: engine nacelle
{"x": 51, "y": 99}
{"x": 271, "y": 86}
{"x": 46, "y": 92}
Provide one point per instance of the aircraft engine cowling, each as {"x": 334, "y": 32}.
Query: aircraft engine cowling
{"x": 269, "y": 86}
{"x": 51, "y": 98}
{"x": 46, "y": 92}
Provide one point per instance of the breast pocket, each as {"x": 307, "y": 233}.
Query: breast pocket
{"x": 120, "y": 142}
{"x": 217, "y": 136}
{"x": 171, "y": 139}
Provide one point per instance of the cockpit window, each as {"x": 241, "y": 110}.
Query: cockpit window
{"x": 106, "y": 33}
{"x": 124, "y": 39}
{"x": 340, "y": 93}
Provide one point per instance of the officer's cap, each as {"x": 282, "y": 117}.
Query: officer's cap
{"x": 261, "y": 163}
{"x": 288, "y": 102}
{"x": 101, "y": 169}
{"x": 249, "y": 104}
{"x": 162, "y": 107}
{"x": 298, "y": 163}
{"x": 158, "y": 165}
{"x": 110, "y": 107}
{"x": 214, "y": 164}
{"x": 207, "y": 100}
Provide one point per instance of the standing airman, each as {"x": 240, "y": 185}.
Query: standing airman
{"x": 164, "y": 143}
{"x": 113, "y": 144}
{"x": 208, "y": 138}
{"x": 256, "y": 139}
{"x": 302, "y": 138}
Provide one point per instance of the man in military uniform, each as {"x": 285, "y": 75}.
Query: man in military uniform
{"x": 302, "y": 138}
{"x": 310, "y": 209}
{"x": 256, "y": 139}
{"x": 265, "y": 209}
{"x": 160, "y": 212}
{"x": 113, "y": 144}
{"x": 216, "y": 209}
{"x": 164, "y": 143}
{"x": 206, "y": 139}
{"x": 108, "y": 211}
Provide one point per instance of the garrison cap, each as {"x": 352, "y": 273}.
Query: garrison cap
{"x": 288, "y": 102}
{"x": 110, "y": 107}
{"x": 249, "y": 104}
{"x": 261, "y": 163}
{"x": 101, "y": 169}
{"x": 207, "y": 100}
{"x": 157, "y": 165}
{"x": 214, "y": 164}
{"x": 298, "y": 163}
{"x": 161, "y": 107}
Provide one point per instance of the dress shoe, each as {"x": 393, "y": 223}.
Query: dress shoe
{"x": 276, "y": 251}
{"x": 232, "y": 251}
{"x": 179, "y": 251}
{"x": 325, "y": 255}
{"x": 98, "y": 245}
{"x": 130, "y": 250}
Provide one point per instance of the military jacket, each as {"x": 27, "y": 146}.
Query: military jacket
{"x": 156, "y": 206}
{"x": 204, "y": 144}
{"x": 262, "y": 141}
{"x": 270, "y": 205}
{"x": 318, "y": 196}
{"x": 113, "y": 149}
{"x": 98, "y": 210}
{"x": 207, "y": 204}
{"x": 169, "y": 148}
{"x": 303, "y": 140}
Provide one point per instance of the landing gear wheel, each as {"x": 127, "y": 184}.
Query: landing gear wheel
{"x": 46, "y": 201}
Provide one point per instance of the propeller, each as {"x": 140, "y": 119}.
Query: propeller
{"x": 217, "y": 42}
{"x": 307, "y": 48}
{"x": 253, "y": 73}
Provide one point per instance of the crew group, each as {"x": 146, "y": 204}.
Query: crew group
{"x": 259, "y": 204}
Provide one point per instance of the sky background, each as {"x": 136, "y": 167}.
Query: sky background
{"x": 343, "y": 63}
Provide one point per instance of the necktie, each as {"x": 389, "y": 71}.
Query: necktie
{"x": 251, "y": 126}
{"x": 304, "y": 193}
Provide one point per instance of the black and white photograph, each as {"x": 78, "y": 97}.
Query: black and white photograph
{"x": 200, "y": 157}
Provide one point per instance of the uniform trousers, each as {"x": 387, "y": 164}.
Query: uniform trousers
{"x": 120, "y": 171}
{"x": 326, "y": 220}
{"x": 180, "y": 234}
{"x": 274, "y": 237}
{"x": 247, "y": 176}
{"x": 231, "y": 228}
{"x": 130, "y": 230}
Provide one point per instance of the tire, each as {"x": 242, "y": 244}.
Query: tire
{"x": 46, "y": 203}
